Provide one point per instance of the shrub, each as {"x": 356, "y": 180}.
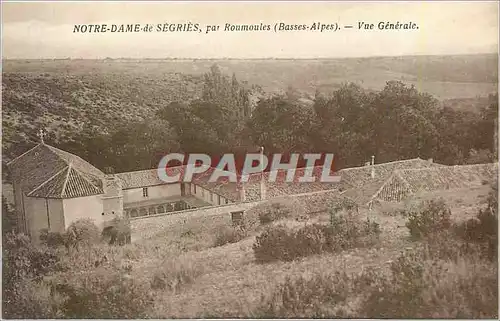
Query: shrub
{"x": 396, "y": 296}
{"x": 431, "y": 217}
{"x": 447, "y": 246}
{"x": 276, "y": 211}
{"x": 271, "y": 211}
{"x": 173, "y": 274}
{"x": 275, "y": 243}
{"x": 104, "y": 294}
{"x": 349, "y": 231}
{"x": 418, "y": 284}
{"x": 90, "y": 257}
{"x": 226, "y": 234}
{"x": 53, "y": 239}
{"x": 320, "y": 296}
{"x": 482, "y": 230}
{"x": 82, "y": 232}
{"x": 282, "y": 243}
{"x": 119, "y": 233}
{"x": 432, "y": 288}
{"x": 22, "y": 260}
{"x": 33, "y": 300}
{"x": 22, "y": 265}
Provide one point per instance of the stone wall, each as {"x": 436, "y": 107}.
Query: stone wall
{"x": 148, "y": 226}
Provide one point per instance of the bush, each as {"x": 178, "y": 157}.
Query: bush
{"x": 90, "y": 257}
{"x": 482, "y": 230}
{"x": 173, "y": 274}
{"x": 396, "y": 296}
{"x": 82, "y": 232}
{"x": 275, "y": 243}
{"x": 119, "y": 233}
{"x": 271, "y": 211}
{"x": 320, "y": 296}
{"x": 53, "y": 239}
{"x": 226, "y": 234}
{"x": 431, "y": 217}
{"x": 22, "y": 265}
{"x": 418, "y": 284}
{"x": 104, "y": 294}
{"x": 348, "y": 231}
{"x": 284, "y": 244}
{"x": 432, "y": 288}
{"x": 33, "y": 300}
{"x": 275, "y": 211}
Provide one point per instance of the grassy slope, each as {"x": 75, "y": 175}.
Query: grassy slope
{"x": 228, "y": 283}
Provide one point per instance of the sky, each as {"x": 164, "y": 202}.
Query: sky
{"x": 35, "y": 30}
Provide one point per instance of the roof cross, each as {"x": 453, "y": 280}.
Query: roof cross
{"x": 41, "y": 134}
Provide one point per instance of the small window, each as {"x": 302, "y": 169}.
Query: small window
{"x": 220, "y": 203}
{"x": 227, "y": 202}
{"x": 237, "y": 218}
{"x": 194, "y": 186}
{"x": 202, "y": 192}
{"x": 145, "y": 192}
{"x": 211, "y": 197}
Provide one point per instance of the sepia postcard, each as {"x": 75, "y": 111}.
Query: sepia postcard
{"x": 252, "y": 160}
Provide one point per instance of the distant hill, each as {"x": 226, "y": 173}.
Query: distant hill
{"x": 64, "y": 102}
{"x": 461, "y": 76}
{"x": 67, "y": 95}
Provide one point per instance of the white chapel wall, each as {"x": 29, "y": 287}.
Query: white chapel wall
{"x": 112, "y": 206}
{"x": 56, "y": 215}
{"x": 19, "y": 207}
{"x": 84, "y": 207}
{"x": 154, "y": 192}
{"x": 36, "y": 214}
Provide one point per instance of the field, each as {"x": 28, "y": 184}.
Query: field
{"x": 189, "y": 271}
{"x": 232, "y": 284}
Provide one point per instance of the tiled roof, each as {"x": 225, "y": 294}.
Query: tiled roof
{"x": 362, "y": 194}
{"x": 410, "y": 181}
{"x": 144, "y": 178}
{"x": 280, "y": 187}
{"x": 45, "y": 171}
{"x": 359, "y": 176}
{"x": 361, "y": 187}
{"x": 68, "y": 183}
{"x": 447, "y": 177}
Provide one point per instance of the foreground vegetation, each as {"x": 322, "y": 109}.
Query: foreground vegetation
{"x": 275, "y": 264}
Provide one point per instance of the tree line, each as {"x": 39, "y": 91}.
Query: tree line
{"x": 398, "y": 122}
